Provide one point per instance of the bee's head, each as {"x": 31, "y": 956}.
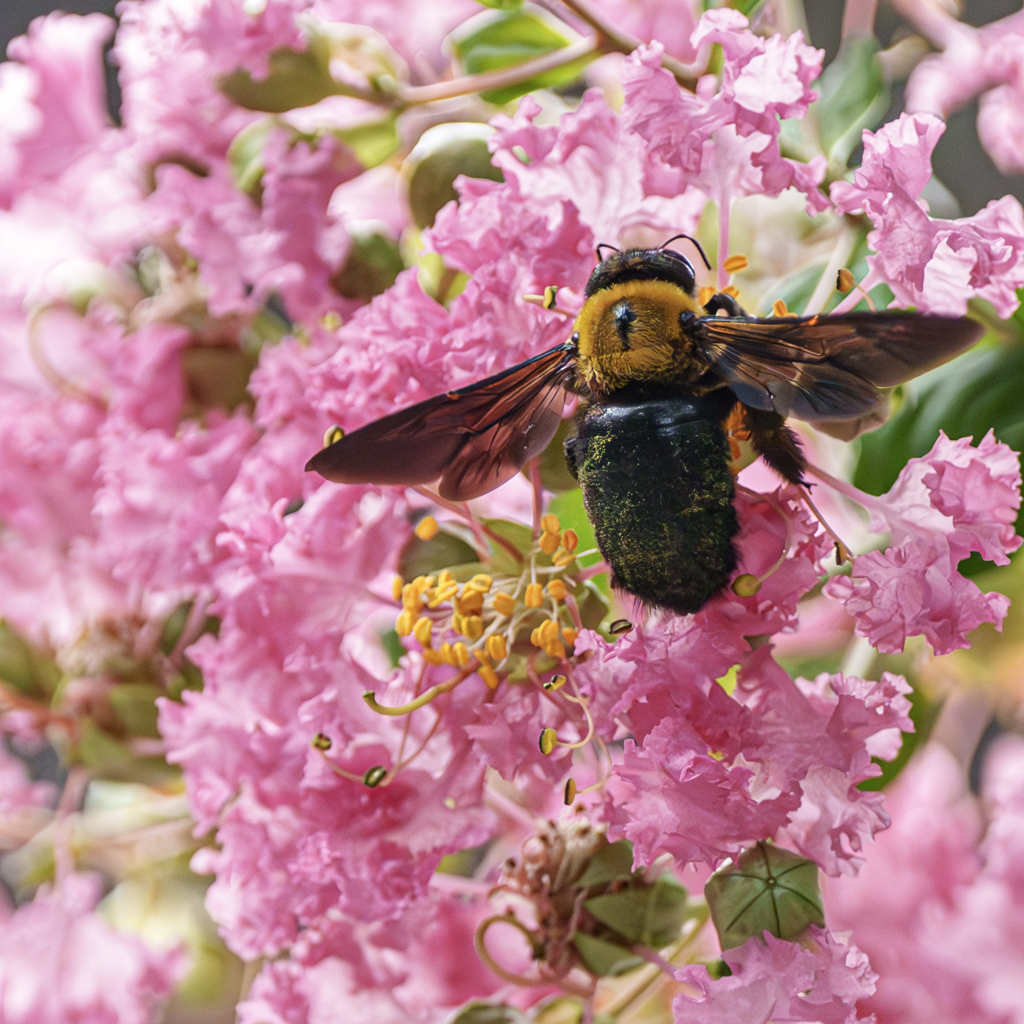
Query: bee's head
{"x": 642, "y": 265}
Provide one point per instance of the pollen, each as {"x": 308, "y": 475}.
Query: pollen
{"x": 551, "y": 524}
{"x": 570, "y": 540}
{"x": 422, "y": 631}
{"x": 488, "y": 675}
{"x": 734, "y": 264}
{"x": 704, "y": 294}
{"x": 548, "y": 543}
{"x": 405, "y": 622}
{"x": 333, "y": 435}
{"x": 562, "y": 558}
{"x": 397, "y": 585}
{"x": 548, "y": 741}
{"x": 557, "y": 591}
{"x": 504, "y": 604}
{"x": 472, "y": 627}
{"x": 554, "y": 683}
{"x": 547, "y": 636}
{"x": 845, "y": 281}
{"x": 731, "y": 290}
{"x": 534, "y": 596}
{"x": 482, "y": 582}
{"x": 426, "y": 528}
{"x": 496, "y": 648}
{"x": 570, "y": 635}
{"x": 471, "y": 602}
{"x": 462, "y": 656}
{"x": 779, "y": 308}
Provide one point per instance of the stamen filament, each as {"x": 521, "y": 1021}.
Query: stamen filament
{"x": 425, "y": 698}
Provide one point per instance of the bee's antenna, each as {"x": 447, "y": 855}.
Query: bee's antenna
{"x": 689, "y": 238}
{"x": 605, "y": 245}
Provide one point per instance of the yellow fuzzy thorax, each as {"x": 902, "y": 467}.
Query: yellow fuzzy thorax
{"x": 656, "y": 348}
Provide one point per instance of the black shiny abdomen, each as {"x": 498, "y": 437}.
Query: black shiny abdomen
{"x": 658, "y": 490}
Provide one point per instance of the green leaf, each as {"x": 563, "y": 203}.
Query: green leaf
{"x": 978, "y": 391}
{"x": 605, "y": 959}
{"x": 651, "y": 917}
{"x": 610, "y": 864}
{"x": 852, "y": 96}
{"x": 135, "y": 707}
{"x": 431, "y": 182}
{"x": 428, "y": 557}
{"x": 24, "y": 668}
{"x": 489, "y": 1013}
{"x": 373, "y": 142}
{"x": 509, "y": 38}
{"x": 521, "y": 539}
{"x": 294, "y": 79}
{"x": 765, "y": 889}
{"x": 245, "y": 156}
{"x": 502, "y": 5}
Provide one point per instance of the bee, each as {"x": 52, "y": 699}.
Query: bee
{"x": 675, "y": 397}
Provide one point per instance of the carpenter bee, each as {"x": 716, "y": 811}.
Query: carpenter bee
{"x": 675, "y": 398}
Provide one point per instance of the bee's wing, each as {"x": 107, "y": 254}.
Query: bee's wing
{"x": 828, "y": 367}
{"x": 473, "y": 439}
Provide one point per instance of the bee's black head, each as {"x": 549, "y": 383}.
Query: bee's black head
{"x": 642, "y": 265}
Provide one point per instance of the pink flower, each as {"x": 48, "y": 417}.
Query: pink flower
{"x": 934, "y": 265}
{"x": 60, "y": 961}
{"x": 900, "y": 904}
{"x": 724, "y": 139}
{"x": 955, "y": 500}
{"x": 783, "y": 982}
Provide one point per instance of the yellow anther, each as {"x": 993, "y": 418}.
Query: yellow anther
{"x": 554, "y": 683}
{"x": 442, "y": 594}
{"x": 448, "y": 655}
{"x": 332, "y": 435}
{"x": 551, "y": 524}
{"x": 489, "y": 676}
{"x": 551, "y": 296}
{"x": 620, "y": 626}
{"x": 462, "y": 655}
{"x": 570, "y": 540}
{"x": 535, "y": 638}
{"x": 555, "y": 649}
{"x": 734, "y": 264}
{"x": 397, "y": 585}
{"x": 472, "y": 627}
{"x": 704, "y": 294}
{"x": 569, "y": 636}
{"x": 563, "y": 558}
{"x": 570, "y": 792}
{"x": 504, "y": 604}
{"x": 444, "y": 577}
{"x": 534, "y": 596}
{"x": 405, "y": 622}
{"x": 731, "y": 290}
{"x": 459, "y": 623}
{"x": 496, "y": 648}
{"x": 548, "y": 741}
{"x": 779, "y": 308}
{"x": 557, "y": 591}
{"x": 411, "y": 598}
{"x": 471, "y": 602}
{"x": 746, "y": 585}
{"x": 845, "y": 281}
{"x": 422, "y": 583}
{"x": 426, "y": 528}
{"x": 331, "y": 321}
{"x": 422, "y": 630}
{"x": 482, "y": 582}
{"x": 322, "y": 742}
{"x": 548, "y": 543}
{"x": 432, "y": 657}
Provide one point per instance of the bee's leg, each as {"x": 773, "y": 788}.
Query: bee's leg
{"x": 777, "y": 444}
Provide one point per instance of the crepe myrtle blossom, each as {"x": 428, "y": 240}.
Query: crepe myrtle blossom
{"x": 368, "y": 711}
{"x": 955, "y": 500}
{"x": 932, "y": 264}
{"x": 60, "y": 961}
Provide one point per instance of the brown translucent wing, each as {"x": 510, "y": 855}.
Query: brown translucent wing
{"x": 828, "y": 367}
{"x": 473, "y": 439}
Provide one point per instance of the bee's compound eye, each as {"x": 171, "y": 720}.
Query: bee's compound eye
{"x": 575, "y": 337}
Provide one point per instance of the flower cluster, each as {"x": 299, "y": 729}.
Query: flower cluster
{"x": 373, "y": 698}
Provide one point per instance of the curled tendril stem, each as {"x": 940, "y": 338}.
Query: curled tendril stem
{"x": 424, "y": 698}
{"x": 770, "y": 499}
{"x": 480, "y": 945}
